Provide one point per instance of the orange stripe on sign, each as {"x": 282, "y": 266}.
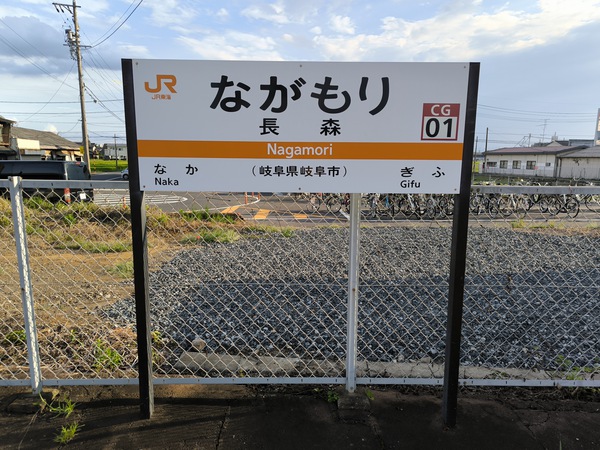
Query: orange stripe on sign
{"x": 302, "y": 150}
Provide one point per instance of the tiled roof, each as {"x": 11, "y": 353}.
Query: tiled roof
{"x": 591, "y": 152}
{"x": 549, "y": 150}
{"x": 47, "y": 139}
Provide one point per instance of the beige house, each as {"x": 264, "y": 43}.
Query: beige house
{"x": 34, "y": 144}
{"x": 6, "y": 151}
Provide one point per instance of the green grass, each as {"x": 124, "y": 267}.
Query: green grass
{"x": 69, "y": 219}
{"x": 40, "y": 203}
{"x": 79, "y": 243}
{"x": 549, "y": 224}
{"x": 156, "y": 217}
{"x": 269, "y": 229}
{"x": 210, "y": 236}
{"x": 122, "y": 270}
{"x": 101, "y": 165}
{"x": 573, "y": 372}
{"x": 206, "y": 216}
{"x": 518, "y": 223}
{"x": 5, "y": 221}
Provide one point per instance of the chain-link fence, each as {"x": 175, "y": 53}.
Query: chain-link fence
{"x": 253, "y": 288}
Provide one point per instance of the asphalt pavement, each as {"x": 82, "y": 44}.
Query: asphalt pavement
{"x": 301, "y": 417}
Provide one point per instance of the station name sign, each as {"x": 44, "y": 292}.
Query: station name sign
{"x": 299, "y": 126}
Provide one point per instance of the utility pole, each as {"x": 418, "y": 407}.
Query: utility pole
{"x": 74, "y": 43}
{"x": 544, "y": 132}
{"x": 116, "y": 154}
{"x": 487, "y": 133}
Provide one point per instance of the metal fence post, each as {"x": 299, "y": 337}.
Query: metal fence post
{"x": 139, "y": 235}
{"x": 33, "y": 350}
{"x": 458, "y": 259}
{"x": 353, "y": 292}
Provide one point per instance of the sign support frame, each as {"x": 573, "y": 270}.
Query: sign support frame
{"x": 457, "y": 260}
{"x": 458, "y": 257}
{"x": 140, "y": 250}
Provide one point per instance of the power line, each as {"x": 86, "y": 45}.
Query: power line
{"x": 23, "y": 39}
{"x": 120, "y": 25}
{"x": 53, "y": 103}
{"x": 53, "y": 95}
{"x": 541, "y": 113}
{"x": 55, "y": 113}
{"x": 16, "y": 50}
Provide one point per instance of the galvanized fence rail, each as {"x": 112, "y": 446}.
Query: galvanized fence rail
{"x": 253, "y": 288}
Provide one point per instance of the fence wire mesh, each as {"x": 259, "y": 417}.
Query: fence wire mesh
{"x": 13, "y": 348}
{"x": 248, "y": 285}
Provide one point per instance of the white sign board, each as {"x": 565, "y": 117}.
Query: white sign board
{"x": 299, "y": 126}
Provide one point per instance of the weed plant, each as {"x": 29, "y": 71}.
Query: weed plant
{"x": 105, "y": 356}
{"x": 16, "y": 337}
{"x": 67, "y": 433}
{"x": 122, "y": 270}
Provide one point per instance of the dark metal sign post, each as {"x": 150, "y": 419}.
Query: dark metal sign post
{"x": 458, "y": 258}
{"x": 140, "y": 250}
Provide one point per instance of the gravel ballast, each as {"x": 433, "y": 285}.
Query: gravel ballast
{"x": 531, "y": 297}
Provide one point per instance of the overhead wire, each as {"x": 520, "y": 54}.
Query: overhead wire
{"x": 524, "y": 112}
{"x": 42, "y": 69}
{"x": 39, "y": 111}
{"x": 96, "y": 44}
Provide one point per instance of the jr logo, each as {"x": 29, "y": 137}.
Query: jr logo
{"x": 168, "y": 81}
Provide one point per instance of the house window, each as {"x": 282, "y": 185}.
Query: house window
{"x": 530, "y": 165}
{"x": 492, "y": 164}
{"x": 516, "y": 165}
{"x": 504, "y": 164}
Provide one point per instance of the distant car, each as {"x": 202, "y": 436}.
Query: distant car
{"x": 125, "y": 174}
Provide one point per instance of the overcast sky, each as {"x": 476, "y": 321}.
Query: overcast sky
{"x": 540, "y": 60}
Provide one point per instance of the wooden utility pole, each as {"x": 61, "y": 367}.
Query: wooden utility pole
{"x": 74, "y": 43}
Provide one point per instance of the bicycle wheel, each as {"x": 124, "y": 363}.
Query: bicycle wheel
{"x": 385, "y": 206}
{"x": 346, "y": 203}
{"x": 571, "y": 207}
{"x": 521, "y": 207}
{"x": 314, "y": 202}
{"x": 504, "y": 206}
{"x": 403, "y": 208}
{"x": 543, "y": 204}
{"x": 476, "y": 204}
{"x": 368, "y": 205}
{"x": 431, "y": 209}
{"x": 449, "y": 205}
{"x": 591, "y": 202}
{"x": 334, "y": 204}
{"x": 492, "y": 208}
{"x": 555, "y": 205}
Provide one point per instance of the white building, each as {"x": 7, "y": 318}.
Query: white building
{"x": 580, "y": 164}
{"x": 115, "y": 151}
{"x": 526, "y": 161}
